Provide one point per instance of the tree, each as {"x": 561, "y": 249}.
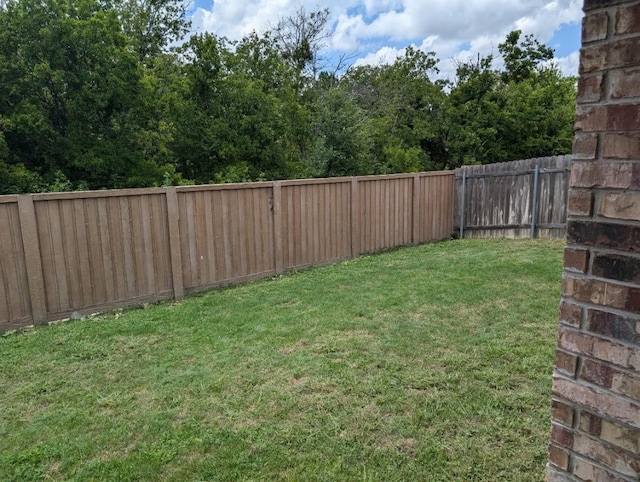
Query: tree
{"x": 404, "y": 108}
{"x": 300, "y": 37}
{"x": 522, "y": 58}
{"x": 71, "y": 95}
{"x": 474, "y": 104}
{"x": 151, "y": 25}
{"x": 240, "y": 112}
{"x": 91, "y": 96}
{"x": 523, "y": 111}
{"x": 340, "y": 145}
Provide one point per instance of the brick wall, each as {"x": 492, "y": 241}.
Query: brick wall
{"x": 595, "y": 432}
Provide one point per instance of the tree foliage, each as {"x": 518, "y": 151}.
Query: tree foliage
{"x": 92, "y": 96}
{"x": 72, "y": 93}
{"x": 522, "y": 58}
{"x": 151, "y": 25}
{"x": 300, "y": 38}
{"x": 523, "y": 111}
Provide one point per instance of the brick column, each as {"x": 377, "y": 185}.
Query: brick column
{"x": 595, "y": 432}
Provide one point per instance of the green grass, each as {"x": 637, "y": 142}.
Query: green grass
{"x": 424, "y": 363}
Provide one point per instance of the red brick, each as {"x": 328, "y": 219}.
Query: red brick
{"x": 632, "y": 303}
{"x": 603, "y": 293}
{"x": 622, "y": 146}
{"x": 623, "y": 117}
{"x": 553, "y": 474}
{"x": 578, "y": 342}
{"x": 616, "y": 267}
{"x": 597, "y": 400}
{"x": 585, "y": 174}
{"x": 628, "y": 20}
{"x": 597, "y": 373}
{"x": 561, "y": 435}
{"x": 625, "y": 384}
{"x": 559, "y": 457}
{"x": 588, "y": 472}
{"x": 590, "y": 118}
{"x": 597, "y": 292}
{"x": 604, "y": 235}
{"x": 594, "y": 27}
{"x": 605, "y": 56}
{"x": 616, "y": 354}
{"x": 620, "y": 206}
{"x": 593, "y": 59}
{"x": 610, "y": 378}
{"x": 566, "y": 362}
{"x": 623, "y": 328}
{"x": 624, "y": 53}
{"x": 585, "y": 145}
{"x": 590, "y": 424}
{"x": 595, "y": 4}
{"x": 580, "y": 203}
{"x": 621, "y": 436}
{"x": 590, "y": 89}
{"x": 575, "y": 341}
{"x": 607, "y": 174}
{"x": 570, "y": 313}
{"x": 624, "y": 83}
{"x": 634, "y": 360}
{"x": 596, "y": 384}
{"x": 621, "y": 461}
{"x": 576, "y": 259}
{"x": 561, "y": 412}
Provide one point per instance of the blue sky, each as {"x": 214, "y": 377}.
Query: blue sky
{"x": 375, "y": 31}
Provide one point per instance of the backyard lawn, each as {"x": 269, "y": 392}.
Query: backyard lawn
{"x": 424, "y": 363}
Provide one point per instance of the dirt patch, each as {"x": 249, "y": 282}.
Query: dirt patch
{"x": 288, "y": 350}
{"x": 406, "y": 446}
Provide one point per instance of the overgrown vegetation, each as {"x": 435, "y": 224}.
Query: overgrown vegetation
{"x": 91, "y": 96}
{"x": 424, "y": 363}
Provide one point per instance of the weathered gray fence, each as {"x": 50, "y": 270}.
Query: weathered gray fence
{"x": 92, "y": 251}
{"x": 513, "y": 199}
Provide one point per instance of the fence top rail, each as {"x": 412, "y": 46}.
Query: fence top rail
{"x": 48, "y": 196}
{"x": 406, "y": 175}
{"x": 319, "y": 180}
{"x": 525, "y": 172}
{"x": 224, "y": 187}
{"x": 522, "y": 165}
{"x": 9, "y": 198}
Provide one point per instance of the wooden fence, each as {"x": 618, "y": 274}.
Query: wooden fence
{"x": 513, "y": 199}
{"x": 75, "y": 253}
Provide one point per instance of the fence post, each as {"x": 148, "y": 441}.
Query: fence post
{"x": 355, "y": 218}
{"x": 416, "y": 209}
{"x": 462, "y": 201}
{"x": 534, "y": 202}
{"x": 277, "y": 227}
{"x": 33, "y": 259}
{"x": 173, "y": 215}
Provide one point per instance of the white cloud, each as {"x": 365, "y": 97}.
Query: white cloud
{"x": 374, "y": 7}
{"x": 385, "y": 55}
{"x": 569, "y": 65}
{"x": 235, "y": 19}
{"x": 380, "y": 29}
{"x": 345, "y": 36}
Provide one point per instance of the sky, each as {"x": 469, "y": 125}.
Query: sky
{"x": 377, "y": 31}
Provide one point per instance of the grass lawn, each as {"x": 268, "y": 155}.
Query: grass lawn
{"x": 423, "y": 363}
